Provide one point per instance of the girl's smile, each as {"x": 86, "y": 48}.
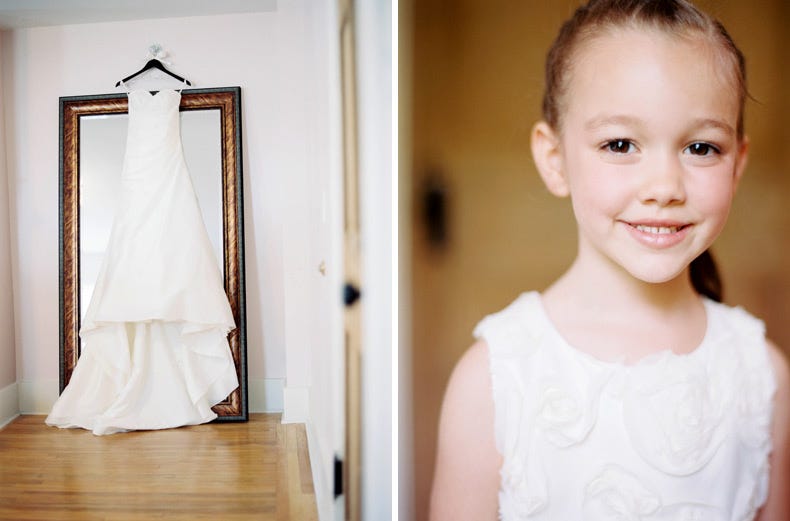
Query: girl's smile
{"x": 658, "y": 234}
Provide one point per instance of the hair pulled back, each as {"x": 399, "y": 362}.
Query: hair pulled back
{"x": 675, "y": 17}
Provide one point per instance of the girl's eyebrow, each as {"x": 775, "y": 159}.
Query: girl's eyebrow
{"x": 702, "y": 123}
{"x": 604, "y": 120}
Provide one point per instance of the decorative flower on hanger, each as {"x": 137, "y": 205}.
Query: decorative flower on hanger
{"x": 156, "y": 52}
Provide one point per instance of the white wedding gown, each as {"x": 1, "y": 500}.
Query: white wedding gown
{"x": 154, "y": 353}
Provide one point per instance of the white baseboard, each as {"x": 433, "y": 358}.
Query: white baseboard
{"x": 9, "y": 404}
{"x": 38, "y": 396}
{"x": 266, "y": 394}
{"x": 323, "y": 490}
{"x": 296, "y": 404}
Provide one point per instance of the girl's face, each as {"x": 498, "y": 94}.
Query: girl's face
{"x": 649, "y": 151}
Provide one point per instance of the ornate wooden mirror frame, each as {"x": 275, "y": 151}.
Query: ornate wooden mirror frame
{"x": 228, "y": 102}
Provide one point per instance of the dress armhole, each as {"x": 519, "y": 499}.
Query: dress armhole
{"x": 508, "y": 335}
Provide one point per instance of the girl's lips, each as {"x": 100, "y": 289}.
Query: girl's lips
{"x": 658, "y": 234}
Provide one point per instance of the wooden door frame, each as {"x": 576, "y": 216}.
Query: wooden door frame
{"x": 351, "y": 230}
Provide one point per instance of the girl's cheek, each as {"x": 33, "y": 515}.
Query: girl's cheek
{"x": 714, "y": 196}
{"x": 606, "y": 188}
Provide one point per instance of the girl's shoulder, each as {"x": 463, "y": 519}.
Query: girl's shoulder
{"x": 467, "y": 459}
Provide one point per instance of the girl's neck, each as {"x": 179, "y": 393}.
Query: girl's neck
{"x": 591, "y": 284}
{"x": 611, "y": 315}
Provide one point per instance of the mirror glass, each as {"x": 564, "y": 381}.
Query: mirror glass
{"x": 102, "y": 146}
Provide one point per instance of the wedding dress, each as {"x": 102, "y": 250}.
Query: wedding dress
{"x": 155, "y": 353}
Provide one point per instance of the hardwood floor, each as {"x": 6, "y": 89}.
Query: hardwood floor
{"x": 218, "y": 471}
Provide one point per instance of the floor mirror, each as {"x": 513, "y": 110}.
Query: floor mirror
{"x": 92, "y": 143}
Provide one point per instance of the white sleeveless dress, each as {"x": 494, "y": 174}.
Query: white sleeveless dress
{"x": 671, "y": 438}
{"x": 154, "y": 353}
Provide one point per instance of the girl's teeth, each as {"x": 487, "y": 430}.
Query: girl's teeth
{"x": 656, "y": 229}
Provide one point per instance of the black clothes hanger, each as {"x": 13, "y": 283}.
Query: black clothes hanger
{"x": 154, "y": 64}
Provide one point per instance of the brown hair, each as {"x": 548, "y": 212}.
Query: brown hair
{"x": 677, "y": 17}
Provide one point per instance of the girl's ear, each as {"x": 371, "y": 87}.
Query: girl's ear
{"x": 740, "y": 161}
{"x": 548, "y": 158}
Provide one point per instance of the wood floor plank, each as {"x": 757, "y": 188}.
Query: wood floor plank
{"x": 283, "y": 504}
{"x": 295, "y": 491}
{"x": 303, "y": 453}
{"x": 228, "y": 471}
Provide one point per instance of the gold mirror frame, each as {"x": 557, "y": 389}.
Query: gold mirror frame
{"x": 228, "y": 101}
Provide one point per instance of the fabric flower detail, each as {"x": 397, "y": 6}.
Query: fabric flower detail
{"x": 567, "y": 404}
{"x": 617, "y": 495}
{"x": 523, "y": 491}
{"x": 513, "y": 339}
{"x": 563, "y": 415}
{"x": 689, "y": 512}
{"x": 674, "y": 421}
{"x": 523, "y": 484}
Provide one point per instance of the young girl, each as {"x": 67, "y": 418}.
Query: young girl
{"x": 626, "y": 391}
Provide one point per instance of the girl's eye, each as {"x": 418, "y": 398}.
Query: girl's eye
{"x": 619, "y": 146}
{"x": 702, "y": 149}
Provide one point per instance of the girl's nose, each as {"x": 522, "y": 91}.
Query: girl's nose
{"x": 663, "y": 183}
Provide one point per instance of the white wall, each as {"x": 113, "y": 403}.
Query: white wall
{"x": 313, "y": 305}
{"x": 9, "y": 406}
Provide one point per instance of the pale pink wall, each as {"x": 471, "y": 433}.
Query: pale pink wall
{"x": 7, "y": 348}
{"x": 281, "y": 67}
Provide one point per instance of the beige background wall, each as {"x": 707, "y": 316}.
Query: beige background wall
{"x": 477, "y": 83}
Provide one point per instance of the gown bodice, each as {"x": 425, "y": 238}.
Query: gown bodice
{"x": 160, "y": 261}
{"x": 154, "y": 136}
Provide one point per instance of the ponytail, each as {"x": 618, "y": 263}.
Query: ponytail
{"x": 705, "y": 276}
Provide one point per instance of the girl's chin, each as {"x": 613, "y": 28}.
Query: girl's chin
{"x": 656, "y": 274}
{"x": 649, "y": 267}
